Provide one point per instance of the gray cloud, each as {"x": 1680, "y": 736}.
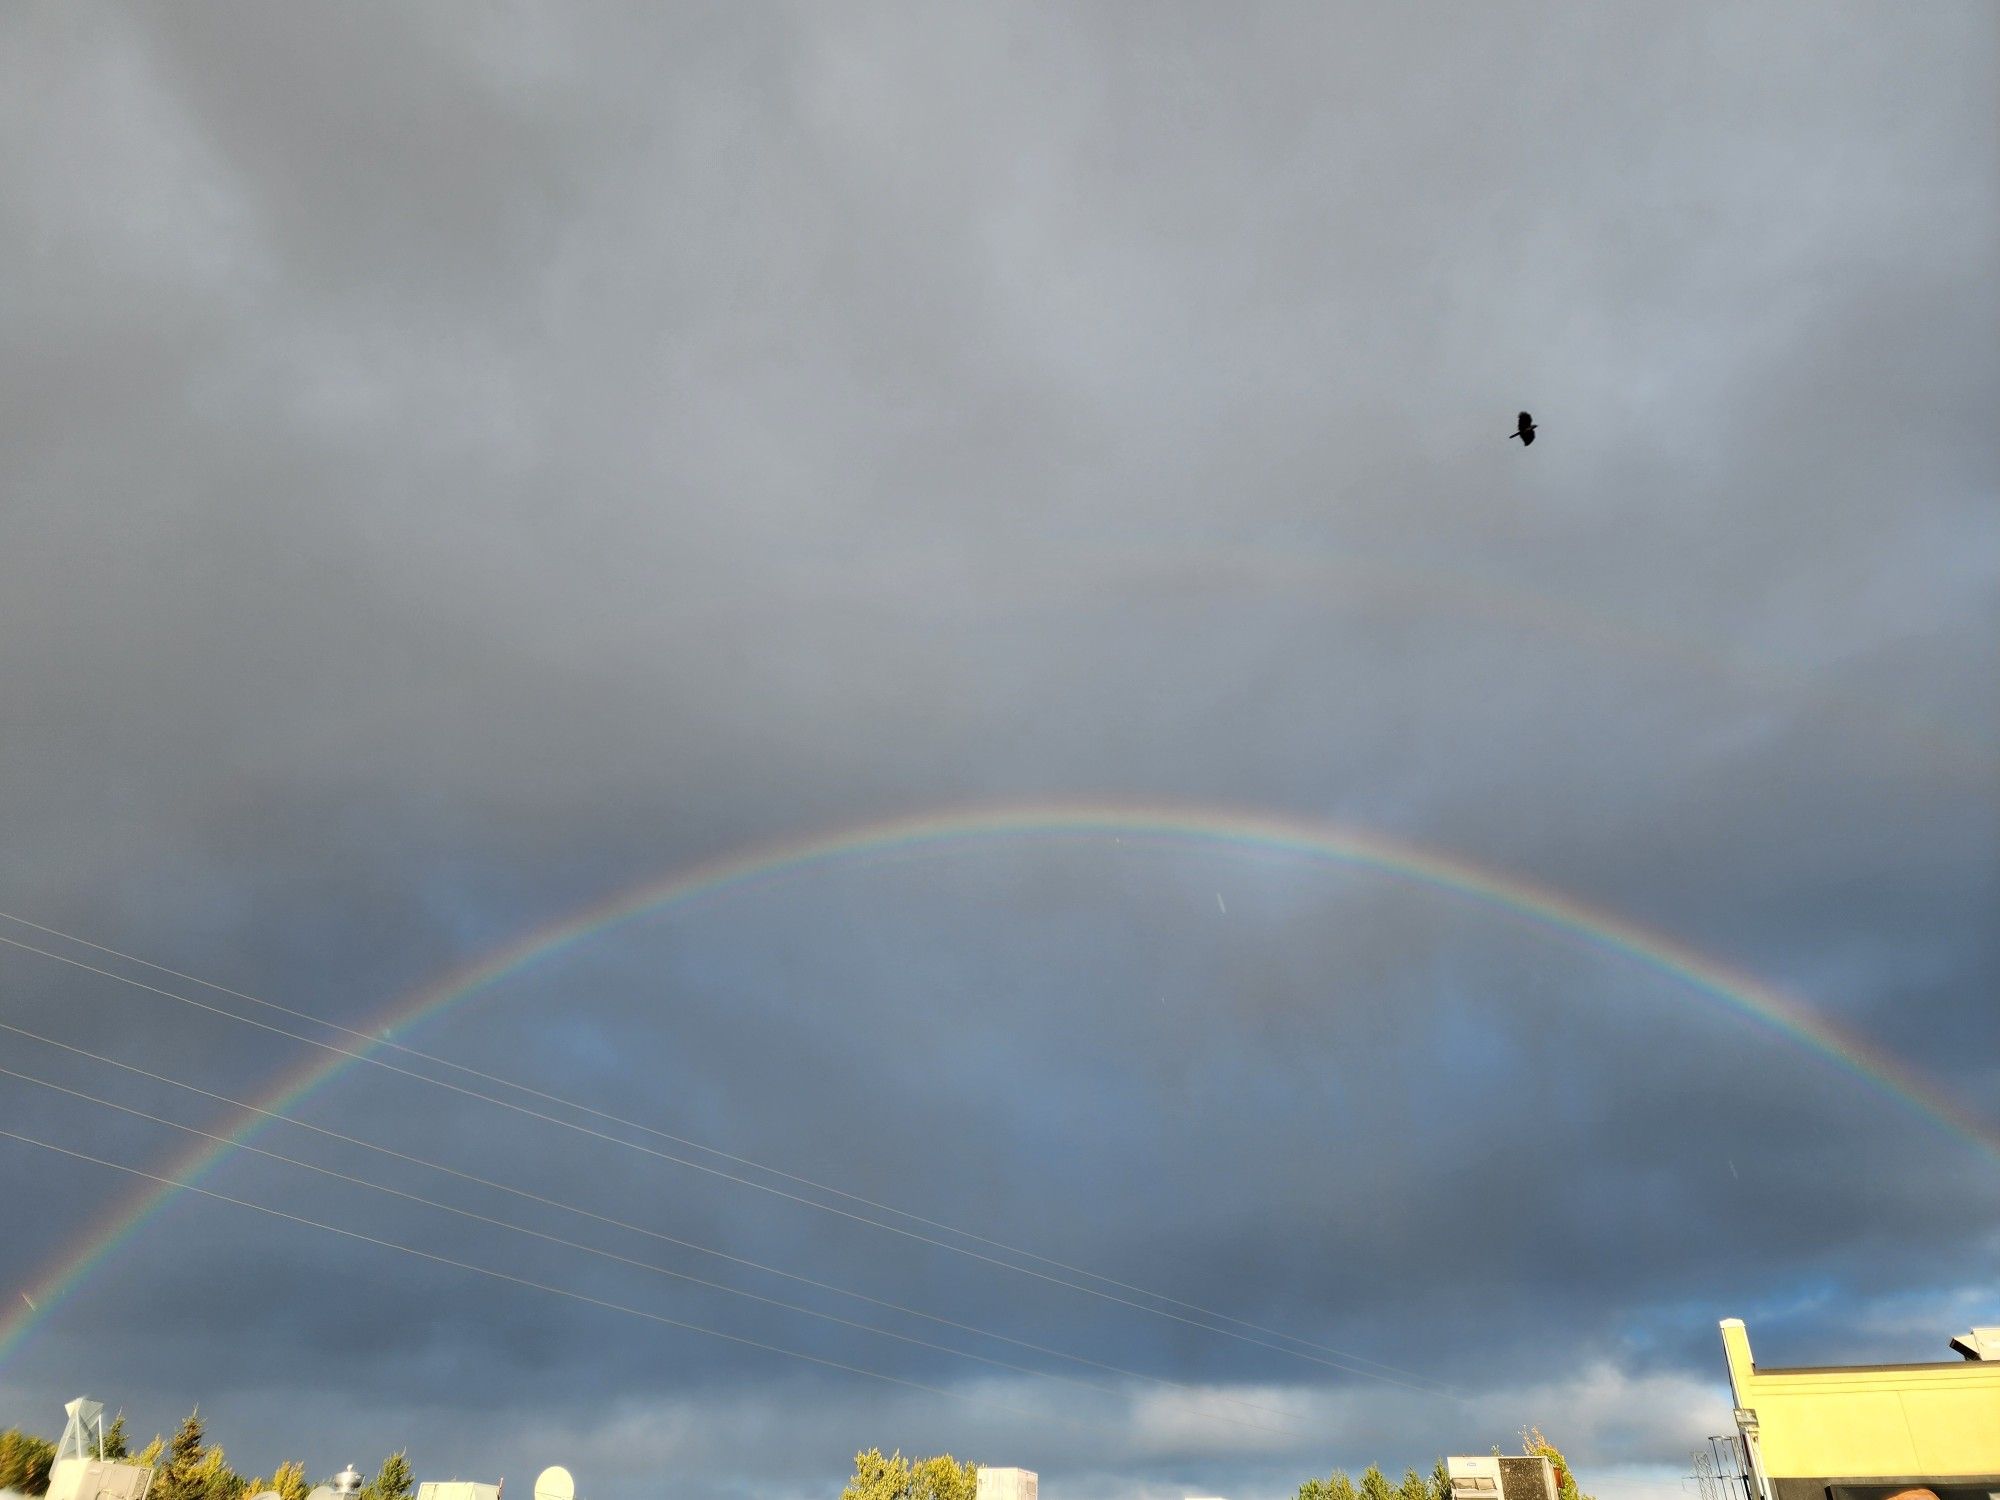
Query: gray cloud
{"x": 463, "y": 466}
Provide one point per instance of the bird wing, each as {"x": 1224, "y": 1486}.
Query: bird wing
{"x": 1527, "y": 435}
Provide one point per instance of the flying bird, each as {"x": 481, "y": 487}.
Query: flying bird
{"x": 1526, "y": 431}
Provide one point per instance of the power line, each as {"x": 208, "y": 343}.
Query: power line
{"x": 1340, "y": 1360}
{"x": 540, "y": 1286}
{"x": 1429, "y": 1387}
{"x": 558, "y": 1240}
{"x": 471, "y": 1072}
{"x": 594, "y": 1250}
{"x": 616, "y": 1223}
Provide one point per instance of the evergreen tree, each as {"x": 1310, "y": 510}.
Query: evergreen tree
{"x": 1374, "y": 1485}
{"x": 194, "y": 1470}
{"x": 214, "y": 1479}
{"x": 287, "y": 1481}
{"x": 1413, "y": 1487}
{"x": 177, "y": 1477}
{"x": 1441, "y": 1481}
{"x": 25, "y": 1461}
{"x": 1336, "y": 1486}
{"x": 114, "y": 1439}
{"x": 150, "y": 1454}
{"x": 391, "y": 1481}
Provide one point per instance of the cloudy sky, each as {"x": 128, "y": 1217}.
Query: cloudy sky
{"x": 467, "y": 464}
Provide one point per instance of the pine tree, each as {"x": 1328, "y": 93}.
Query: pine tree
{"x": 1413, "y": 1487}
{"x": 114, "y": 1439}
{"x": 1375, "y": 1485}
{"x": 1336, "y": 1486}
{"x": 214, "y": 1479}
{"x": 194, "y": 1470}
{"x": 1441, "y": 1481}
{"x": 178, "y": 1476}
{"x": 391, "y": 1481}
{"x": 287, "y": 1481}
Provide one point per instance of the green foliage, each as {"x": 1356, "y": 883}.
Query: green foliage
{"x": 391, "y": 1481}
{"x": 176, "y": 1477}
{"x": 1375, "y": 1486}
{"x": 876, "y": 1477}
{"x": 188, "y": 1467}
{"x": 943, "y": 1478}
{"x": 25, "y": 1461}
{"x": 1536, "y": 1446}
{"x": 289, "y": 1480}
{"x": 214, "y": 1479}
{"x": 1336, "y": 1486}
{"x": 898, "y": 1478}
{"x": 194, "y": 1470}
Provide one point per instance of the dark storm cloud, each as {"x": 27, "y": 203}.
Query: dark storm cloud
{"x": 462, "y": 465}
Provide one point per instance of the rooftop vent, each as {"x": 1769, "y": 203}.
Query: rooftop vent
{"x": 1981, "y": 1343}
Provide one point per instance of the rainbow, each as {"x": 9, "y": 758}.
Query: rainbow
{"x": 954, "y": 829}
{"x": 1327, "y": 580}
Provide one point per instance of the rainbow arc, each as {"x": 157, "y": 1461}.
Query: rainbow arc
{"x": 1192, "y": 826}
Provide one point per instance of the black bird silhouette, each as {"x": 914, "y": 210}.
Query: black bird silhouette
{"x": 1526, "y": 431}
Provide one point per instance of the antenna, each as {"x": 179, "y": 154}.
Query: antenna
{"x": 554, "y": 1483}
{"x": 1704, "y": 1474}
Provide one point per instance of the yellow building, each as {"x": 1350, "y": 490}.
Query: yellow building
{"x": 1871, "y": 1432}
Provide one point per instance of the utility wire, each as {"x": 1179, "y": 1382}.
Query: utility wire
{"x": 552, "y": 1239}
{"x": 523, "y": 1193}
{"x": 603, "y": 1218}
{"x": 1340, "y": 1360}
{"x": 540, "y": 1286}
{"x": 471, "y": 1072}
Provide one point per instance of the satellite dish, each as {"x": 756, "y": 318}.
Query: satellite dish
{"x": 319, "y": 1492}
{"x": 554, "y": 1483}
